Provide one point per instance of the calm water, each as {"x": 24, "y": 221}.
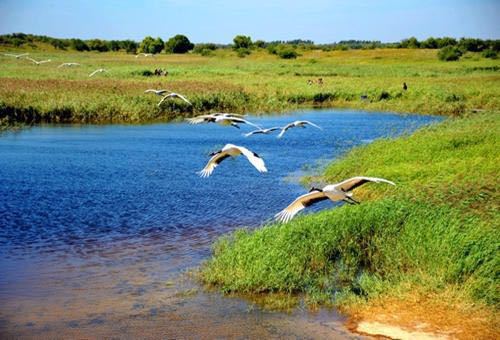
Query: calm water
{"x": 98, "y": 222}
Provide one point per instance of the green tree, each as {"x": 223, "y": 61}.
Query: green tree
{"x": 287, "y": 52}
{"x": 114, "y": 45}
{"x": 78, "y": 45}
{"x": 260, "y": 44}
{"x": 446, "y": 41}
{"x": 129, "y": 46}
{"x": 429, "y": 43}
{"x": 410, "y": 43}
{"x": 489, "y": 53}
{"x": 98, "y": 45}
{"x": 59, "y": 44}
{"x": 151, "y": 45}
{"x": 242, "y": 41}
{"x": 178, "y": 44}
{"x": 472, "y": 45}
{"x": 449, "y": 53}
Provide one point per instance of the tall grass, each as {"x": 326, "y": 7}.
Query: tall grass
{"x": 364, "y": 250}
{"x": 436, "y": 231}
{"x": 368, "y": 79}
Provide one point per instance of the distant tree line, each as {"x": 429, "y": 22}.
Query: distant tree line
{"x": 450, "y": 48}
{"x": 30, "y": 40}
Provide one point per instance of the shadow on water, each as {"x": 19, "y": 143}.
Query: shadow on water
{"x": 98, "y": 223}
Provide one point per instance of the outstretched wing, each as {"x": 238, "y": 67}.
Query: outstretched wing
{"x": 272, "y": 129}
{"x": 201, "y": 119}
{"x": 164, "y": 98}
{"x": 253, "y": 158}
{"x": 32, "y": 60}
{"x": 225, "y": 114}
{"x": 299, "y": 204}
{"x": 92, "y": 74}
{"x": 254, "y": 132}
{"x": 352, "y": 183}
{"x": 212, "y": 163}
{"x": 183, "y": 98}
{"x": 241, "y": 121}
{"x": 158, "y": 92}
{"x": 284, "y": 128}
{"x": 312, "y": 124}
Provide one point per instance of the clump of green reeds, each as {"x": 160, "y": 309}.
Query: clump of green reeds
{"x": 438, "y": 228}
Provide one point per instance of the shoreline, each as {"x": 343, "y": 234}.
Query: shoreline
{"x": 449, "y": 166}
{"x": 477, "y": 317}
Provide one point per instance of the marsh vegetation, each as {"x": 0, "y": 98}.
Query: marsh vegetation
{"x": 433, "y": 238}
{"x": 218, "y": 79}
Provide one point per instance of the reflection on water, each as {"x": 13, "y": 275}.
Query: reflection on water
{"x": 99, "y": 222}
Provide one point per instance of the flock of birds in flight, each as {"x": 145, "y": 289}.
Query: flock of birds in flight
{"x": 335, "y": 192}
{"x": 40, "y": 62}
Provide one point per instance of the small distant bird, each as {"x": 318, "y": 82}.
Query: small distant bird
{"x": 157, "y": 92}
{"x": 17, "y": 56}
{"x": 297, "y": 123}
{"x": 333, "y": 192}
{"x": 405, "y": 87}
{"x": 231, "y": 150}
{"x": 144, "y": 54}
{"x": 100, "y": 70}
{"x": 309, "y": 82}
{"x": 223, "y": 119}
{"x": 174, "y": 95}
{"x": 68, "y": 65}
{"x": 262, "y": 131}
{"x": 38, "y": 62}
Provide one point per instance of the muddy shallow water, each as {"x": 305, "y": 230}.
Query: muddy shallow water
{"x": 99, "y": 223}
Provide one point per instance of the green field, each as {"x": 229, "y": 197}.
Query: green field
{"x": 434, "y": 237}
{"x": 258, "y": 83}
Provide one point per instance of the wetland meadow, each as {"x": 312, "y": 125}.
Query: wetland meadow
{"x": 107, "y": 231}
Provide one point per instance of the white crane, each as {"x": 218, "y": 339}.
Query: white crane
{"x": 157, "y": 92}
{"x": 68, "y": 65}
{"x": 99, "y": 70}
{"x": 174, "y": 95}
{"x": 221, "y": 118}
{"x": 17, "y": 56}
{"x": 144, "y": 54}
{"x": 209, "y": 118}
{"x": 38, "y": 62}
{"x": 297, "y": 123}
{"x": 262, "y": 131}
{"x": 335, "y": 192}
{"x": 231, "y": 150}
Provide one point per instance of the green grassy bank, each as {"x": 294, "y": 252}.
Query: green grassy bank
{"x": 436, "y": 232}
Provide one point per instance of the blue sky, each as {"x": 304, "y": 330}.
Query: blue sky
{"x": 220, "y": 20}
